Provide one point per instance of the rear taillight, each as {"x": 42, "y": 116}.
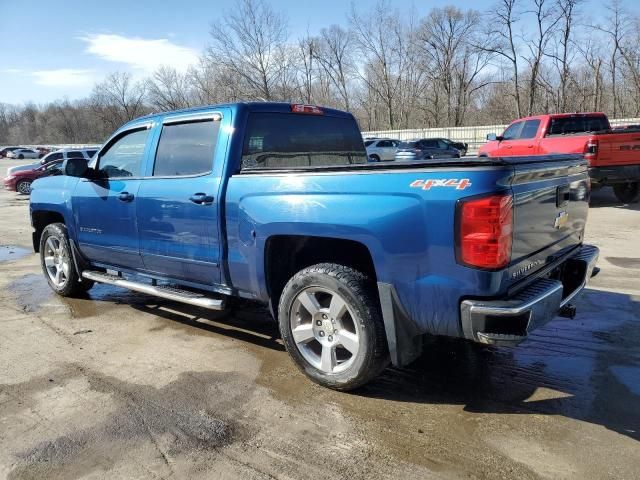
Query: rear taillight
{"x": 308, "y": 109}
{"x": 591, "y": 149}
{"x": 485, "y": 231}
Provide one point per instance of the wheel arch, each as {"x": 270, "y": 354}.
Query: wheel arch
{"x": 285, "y": 255}
{"x": 39, "y": 220}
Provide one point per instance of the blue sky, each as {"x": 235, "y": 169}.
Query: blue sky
{"x": 51, "y": 49}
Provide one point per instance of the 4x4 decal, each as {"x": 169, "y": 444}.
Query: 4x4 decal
{"x": 427, "y": 184}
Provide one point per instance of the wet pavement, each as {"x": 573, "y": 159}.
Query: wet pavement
{"x": 125, "y": 385}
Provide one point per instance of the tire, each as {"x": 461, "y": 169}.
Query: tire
{"x": 20, "y": 157}
{"x": 340, "y": 339}
{"x": 374, "y": 158}
{"x": 55, "y": 257}
{"x": 24, "y": 187}
{"x": 627, "y": 192}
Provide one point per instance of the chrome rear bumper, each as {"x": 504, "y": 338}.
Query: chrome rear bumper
{"x": 508, "y": 321}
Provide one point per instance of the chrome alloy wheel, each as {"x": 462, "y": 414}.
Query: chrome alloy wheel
{"x": 56, "y": 261}
{"x": 24, "y": 188}
{"x": 324, "y": 329}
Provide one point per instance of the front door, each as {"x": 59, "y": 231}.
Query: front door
{"x": 105, "y": 207}
{"x": 178, "y": 206}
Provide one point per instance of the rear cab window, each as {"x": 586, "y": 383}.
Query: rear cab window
{"x": 578, "y": 124}
{"x": 297, "y": 141}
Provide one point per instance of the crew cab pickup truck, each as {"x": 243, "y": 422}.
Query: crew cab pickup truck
{"x": 357, "y": 261}
{"x": 613, "y": 155}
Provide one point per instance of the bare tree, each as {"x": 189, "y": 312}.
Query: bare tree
{"x": 334, "y": 52}
{"x": 501, "y": 40}
{"x": 382, "y": 42}
{"x": 168, "y": 89}
{"x": 563, "y": 55}
{"x": 614, "y": 28}
{"x": 546, "y": 20}
{"x": 448, "y": 39}
{"x": 118, "y": 99}
{"x": 250, "y": 44}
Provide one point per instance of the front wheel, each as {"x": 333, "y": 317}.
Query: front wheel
{"x": 20, "y": 157}
{"x": 332, "y": 327}
{"x": 24, "y": 187}
{"x": 627, "y": 192}
{"x": 58, "y": 263}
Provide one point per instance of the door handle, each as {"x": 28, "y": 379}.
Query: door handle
{"x": 529, "y": 146}
{"x": 125, "y": 197}
{"x": 201, "y": 199}
{"x": 508, "y": 146}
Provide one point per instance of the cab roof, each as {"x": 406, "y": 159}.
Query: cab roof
{"x": 263, "y": 107}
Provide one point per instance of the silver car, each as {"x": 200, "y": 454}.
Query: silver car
{"x": 381, "y": 149}
{"x": 21, "y": 153}
{"x": 63, "y": 154}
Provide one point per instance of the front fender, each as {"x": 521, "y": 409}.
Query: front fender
{"x": 54, "y": 194}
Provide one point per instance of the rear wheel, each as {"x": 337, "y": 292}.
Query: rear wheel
{"x": 332, "y": 327}
{"x": 24, "y": 187}
{"x": 21, "y": 157}
{"x": 374, "y": 158}
{"x": 627, "y": 192}
{"x": 58, "y": 264}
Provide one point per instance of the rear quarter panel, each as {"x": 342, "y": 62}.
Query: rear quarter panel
{"x": 409, "y": 231}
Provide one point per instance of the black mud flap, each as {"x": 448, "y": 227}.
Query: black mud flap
{"x": 405, "y": 342}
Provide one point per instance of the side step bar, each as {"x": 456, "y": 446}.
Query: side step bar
{"x": 170, "y": 293}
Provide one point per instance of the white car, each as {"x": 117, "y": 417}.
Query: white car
{"x": 381, "y": 149}
{"x": 63, "y": 154}
{"x": 21, "y": 153}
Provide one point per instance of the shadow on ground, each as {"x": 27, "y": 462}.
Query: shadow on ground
{"x": 604, "y": 197}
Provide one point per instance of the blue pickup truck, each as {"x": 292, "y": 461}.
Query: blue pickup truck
{"x": 357, "y": 261}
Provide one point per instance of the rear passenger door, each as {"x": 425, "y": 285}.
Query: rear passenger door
{"x": 178, "y": 207}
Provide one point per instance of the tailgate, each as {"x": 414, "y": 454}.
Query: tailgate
{"x": 551, "y": 203}
{"x": 617, "y": 149}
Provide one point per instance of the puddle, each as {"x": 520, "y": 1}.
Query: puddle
{"x": 9, "y": 253}
{"x": 32, "y": 292}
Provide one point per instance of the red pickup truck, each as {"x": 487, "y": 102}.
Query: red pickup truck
{"x": 613, "y": 155}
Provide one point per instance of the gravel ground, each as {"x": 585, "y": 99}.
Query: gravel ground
{"x": 122, "y": 385}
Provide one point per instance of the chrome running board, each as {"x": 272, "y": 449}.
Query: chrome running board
{"x": 162, "y": 291}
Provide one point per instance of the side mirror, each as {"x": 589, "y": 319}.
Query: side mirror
{"x": 75, "y": 167}
{"x": 492, "y": 137}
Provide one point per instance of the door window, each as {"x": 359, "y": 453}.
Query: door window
{"x": 384, "y": 144}
{"x": 513, "y": 131}
{"x": 53, "y": 156}
{"x": 124, "y": 157}
{"x": 442, "y": 144}
{"x": 186, "y": 149}
{"x": 530, "y": 129}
